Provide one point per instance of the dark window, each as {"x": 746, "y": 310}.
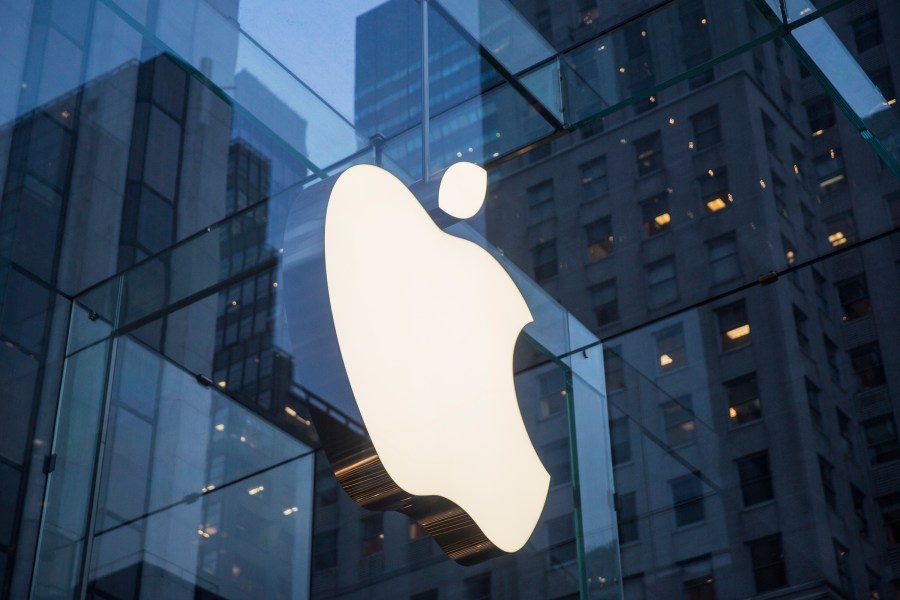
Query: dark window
{"x": 605, "y": 302}
{"x": 558, "y": 462}
{"x": 648, "y": 151}
{"x": 820, "y": 114}
{"x": 891, "y": 518}
{"x": 854, "y": 295}
{"x": 599, "y": 238}
{"x": 801, "y": 329}
{"x": 756, "y": 478}
{"x": 884, "y": 81}
{"x": 826, "y": 473}
{"x": 867, "y": 31}
{"x": 478, "y": 587}
{"x": 372, "y": 535}
{"x": 627, "y": 517}
{"x": 697, "y": 575}
{"x": 831, "y": 357}
{"x": 325, "y": 550}
{"x": 687, "y": 500}
{"x": 670, "y": 348}
{"x": 707, "y": 128}
{"x": 426, "y": 595}
{"x": 546, "y": 264}
{"x": 819, "y": 285}
{"x": 893, "y": 201}
{"x": 867, "y": 365}
{"x": 540, "y": 202}
{"x": 657, "y": 217}
{"x": 561, "y": 539}
{"x": 778, "y": 192}
{"x": 662, "y": 283}
{"x": 743, "y": 400}
{"x": 814, "y": 403}
{"x": 723, "y": 258}
{"x": 734, "y": 328}
{"x": 714, "y": 190}
{"x": 842, "y": 557}
{"x": 770, "y": 135}
{"x": 859, "y": 509}
{"x": 553, "y": 392}
{"x": 809, "y": 223}
{"x": 678, "y": 418}
{"x": 614, "y": 368}
{"x": 620, "y": 440}
{"x": 881, "y": 439}
{"x": 767, "y": 559}
{"x": 594, "y": 181}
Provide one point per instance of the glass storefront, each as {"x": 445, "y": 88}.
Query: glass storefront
{"x": 697, "y": 200}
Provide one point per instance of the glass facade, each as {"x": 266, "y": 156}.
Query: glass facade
{"x": 698, "y": 201}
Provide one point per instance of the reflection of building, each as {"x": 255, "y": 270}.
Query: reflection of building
{"x": 745, "y": 405}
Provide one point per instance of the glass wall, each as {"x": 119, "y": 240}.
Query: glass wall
{"x": 699, "y": 201}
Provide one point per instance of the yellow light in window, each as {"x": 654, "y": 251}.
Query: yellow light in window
{"x": 892, "y": 101}
{"x": 202, "y": 534}
{"x": 222, "y": 383}
{"x": 790, "y": 256}
{"x": 837, "y": 238}
{"x": 831, "y": 153}
{"x": 665, "y": 360}
{"x": 643, "y": 34}
{"x": 254, "y": 491}
{"x": 738, "y": 332}
{"x": 732, "y": 412}
{"x": 621, "y": 69}
{"x": 831, "y": 180}
{"x": 671, "y": 120}
{"x": 715, "y": 204}
{"x": 687, "y": 426}
{"x": 818, "y": 133}
{"x": 289, "y": 511}
{"x": 711, "y": 173}
{"x": 797, "y": 169}
{"x": 652, "y": 99}
{"x": 274, "y": 284}
{"x": 691, "y": 145}
{"x": 220, "y": 427}
{"x": 703, "y": 21}
{"x": 662, "y": 219}
{"x": 290, "y": 411}
{"x": 762, "y": 183}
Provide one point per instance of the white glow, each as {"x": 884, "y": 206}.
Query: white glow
{"x": 426, "y": 324}
{"x": 462, "y": 190}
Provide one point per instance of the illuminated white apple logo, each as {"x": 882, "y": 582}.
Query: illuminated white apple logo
{"x": 426, "y": 324}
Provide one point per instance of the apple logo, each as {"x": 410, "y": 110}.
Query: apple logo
{"x": 426, "y": 324}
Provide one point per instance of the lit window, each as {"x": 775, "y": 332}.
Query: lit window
{"x": 714, "y": 190}
{"x": 657, "y": 218}
{"x": 670, "y": 348}
{"x": 743, "y": 400}
{"x": 755, "y": 477}
{"x": 599, "y": 238}
{"x": 734, "y": 328}
{"x": 678, "y": 418}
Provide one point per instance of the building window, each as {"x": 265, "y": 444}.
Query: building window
{"x": 859, "y": 509}
{"x": 540, "y": 202}
{"x": 670, "y": 348}
{"x": 325, "y": 550}
{"x": 687, "y": 500}
{"x": 790, "y": 253}
{"x": 478, "y": 587}
{"x": 372, "y": 535}
{"x": 552, "y": 385}
{"x": 819, "y": 286}
{"x": 648, "y": 151}
{"x": 831, "y": 357}
{"x": 614, "y": 368}
{"x": 881, "y": 439}
{"x": 657, "y": 217}
{"x": 734, "y": 328}
{"x": 756, "y": 478}
{"x": 814, "y": 403}
{"x": 767, "y": 559}
{"x": 841, "y": 229}
{"x": 820, "y": 114}
{"x": 561, "y": 539}
{"x": 599, "y": 238}
{"x": 867, "y": 31}
{"x": 662, "y": 283}
{"x": 778, "y": 192}
{"x": 770, "y": 135}
{"x": 707, "y": 128}
{"x": 627, "y": 517}
{"x": 714, "y": 190}
{"x": 842, "y": 557}
{"x": 884, "y": 81}
{"x": 558, "y": 462}
{"x": 620, "y": 440}
{"x": 545, "y": 261}
{"x": 868, "y": 368}
{"x": 605, "y": 302}
{"x": 826, "y": 473}
{"x": 854, "y": 295}
{"x": 743, "y": 400}
{"x": 891, "y": 518}
{"x": 697, "y": 575}
{"x": 723, "y": 258}
{"x": 594, "y": 182}
{"x": 801, "y": 329}
{"x": 829, "y": 168}
{"x": 678, "y": 418}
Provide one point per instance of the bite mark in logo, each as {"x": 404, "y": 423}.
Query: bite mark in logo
{"x": 426, "y": 324}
